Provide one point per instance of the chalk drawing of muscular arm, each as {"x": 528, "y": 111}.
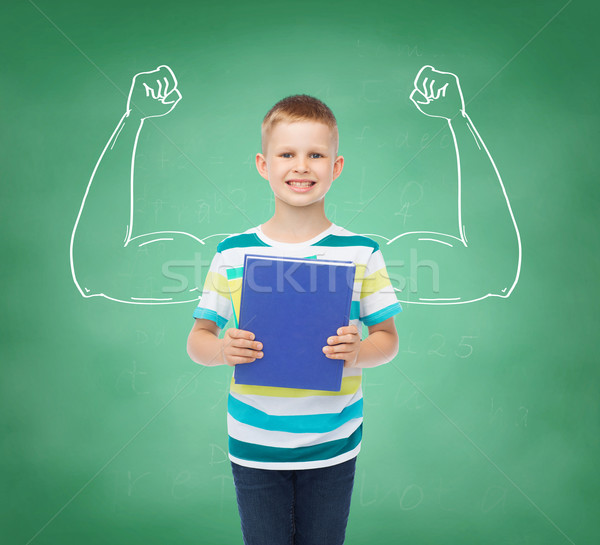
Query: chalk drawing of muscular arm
{"x": 483, "y": 259}
{"x": 108, "y": 258}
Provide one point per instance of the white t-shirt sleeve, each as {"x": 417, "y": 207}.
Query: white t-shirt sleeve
{"x": 215, "y": 303}
{"x": 378, "y": 300}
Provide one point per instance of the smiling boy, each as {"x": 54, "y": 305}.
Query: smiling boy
{"x": 300, "y": 162}
{"x": 292, "y": 451}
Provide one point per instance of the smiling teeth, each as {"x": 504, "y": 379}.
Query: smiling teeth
{"x": 300, "y": 184}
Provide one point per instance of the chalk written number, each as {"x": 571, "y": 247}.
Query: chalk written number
{"x": 437, "y": 346}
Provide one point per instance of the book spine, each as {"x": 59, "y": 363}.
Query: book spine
{"x": 350, "y": 293}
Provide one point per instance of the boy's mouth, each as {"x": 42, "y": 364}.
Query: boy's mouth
{"x": 300, "y": 184}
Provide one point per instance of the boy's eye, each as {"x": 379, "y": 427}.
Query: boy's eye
{"x": 287, "y": 155}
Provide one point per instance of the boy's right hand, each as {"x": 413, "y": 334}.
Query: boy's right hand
{"x": 239, "y": 346}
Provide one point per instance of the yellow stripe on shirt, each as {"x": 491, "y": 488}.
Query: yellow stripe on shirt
{"x": 374, "y": 282}
{"x": 360, "y": 272}
{"x": 235, "y": 290}
{"x": 216, "y": 282}
{"x": 350, "y": 385}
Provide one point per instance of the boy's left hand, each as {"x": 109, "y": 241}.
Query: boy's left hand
{"x": 344, "y": 346}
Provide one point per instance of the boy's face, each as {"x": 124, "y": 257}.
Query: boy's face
{"x": 300, "y": 161}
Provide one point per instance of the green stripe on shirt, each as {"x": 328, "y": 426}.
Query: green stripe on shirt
{"x": 241, "y": 241}
{"x": 322, "y": 451}
{"x": 354, "y": 240}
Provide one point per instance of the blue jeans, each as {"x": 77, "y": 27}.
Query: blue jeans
{"x": 302, "y": 507}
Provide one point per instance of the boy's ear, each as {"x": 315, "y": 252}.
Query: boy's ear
{"x": 338, "y": 165}
{"x": 261, "y": 166}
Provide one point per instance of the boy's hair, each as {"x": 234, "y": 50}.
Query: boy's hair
{"x": 298, "y": 108}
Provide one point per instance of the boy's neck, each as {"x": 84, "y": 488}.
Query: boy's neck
{"x": 296, "y": 225}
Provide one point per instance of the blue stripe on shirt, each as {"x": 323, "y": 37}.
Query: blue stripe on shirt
{"x": 207, "y": 314}
{"x": 305, "y": 423}
{"x": 382, "y": 314}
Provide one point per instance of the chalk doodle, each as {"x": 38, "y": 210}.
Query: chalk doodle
{"x": 482, "y": 259}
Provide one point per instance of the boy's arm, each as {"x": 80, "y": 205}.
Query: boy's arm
{"x": 380, "y": 346}
{"x": 107, "y": 258}
{"x": 237, "y": 346}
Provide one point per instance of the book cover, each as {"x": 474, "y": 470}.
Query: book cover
{"x": 293, "y": 305}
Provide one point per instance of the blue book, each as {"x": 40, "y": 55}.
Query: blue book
{"x": 292, "y": 305}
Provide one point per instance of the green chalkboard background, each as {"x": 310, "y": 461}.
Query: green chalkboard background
{"x": 483, "y": 430}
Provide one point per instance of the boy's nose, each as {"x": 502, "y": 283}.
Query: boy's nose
{"x": 300, "y": 166}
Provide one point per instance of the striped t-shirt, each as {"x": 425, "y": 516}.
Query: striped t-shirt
{"x": 289, "y": 428}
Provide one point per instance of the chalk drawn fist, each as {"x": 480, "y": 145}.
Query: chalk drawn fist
{"x": 154, "y": 93}
{"x": 437, "y": 94}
